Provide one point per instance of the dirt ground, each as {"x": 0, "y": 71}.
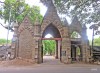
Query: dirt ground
{"x": 50, "y": 65}
{"x": 48, "y": 60}
{"x": 17, "y": 62}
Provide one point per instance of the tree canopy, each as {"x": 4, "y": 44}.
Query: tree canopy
{"x": 16, "y": 10}
{"x": 88, "y": 11}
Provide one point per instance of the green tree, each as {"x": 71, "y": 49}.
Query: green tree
{"x": 97, "y": 41}
{"x": 34, "y": 14}
{"x": 75, "y": 35}
{"x": 3, "y": 41}
{"x": 16, "y": 10}
{"x": 49, "y": 46}
{"x": 87, "y": 11}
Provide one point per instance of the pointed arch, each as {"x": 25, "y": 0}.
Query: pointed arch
{"x": 75, "y": 34}
{"x": 25, "y": 33}
{"x": 51, "y": 29}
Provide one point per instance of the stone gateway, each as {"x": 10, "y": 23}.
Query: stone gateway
{"x": 28, "y": 38}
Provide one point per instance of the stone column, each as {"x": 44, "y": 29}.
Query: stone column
{"x": 73, "y": 51}
{"x": 38, "y": 43}
{"x": 40, "y": 52}
{"x": 56, "y": 51}
{"x": 66, "y": 46}
{"x": 59, "y": 47}
{"x": 66, "y": 51}
{"x": 85, "y": 51}
{"x": 85, "y": 45}
{"x": 14, "y": 45}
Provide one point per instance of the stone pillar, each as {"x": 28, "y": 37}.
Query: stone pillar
{"x": 40, "y": 52}
{"x": 73, "y": 52}
{"x": 66, "y": 46}
{"x": 59, "y": 47}
{"x": 66, "y": 51}
{"x": 36, "y": 49}
{"x": 86, "y": 53}
{"x": 14, "y": 45}
{"x": 83, "y": 52}
{"x": 38, "y": 43}
{"x": 56, "y": 51}
{"x": 88, "y": 56}
{"x": 85, "y": 45}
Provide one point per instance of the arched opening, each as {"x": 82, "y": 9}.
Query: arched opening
{"x": 51, "y": 43}
{"x": 75, "y": 35}
{"x": 76, "y": 50}
{"x": 51, "y": 30}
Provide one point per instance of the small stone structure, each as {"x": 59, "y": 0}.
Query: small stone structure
{"x": 27, "y": 37}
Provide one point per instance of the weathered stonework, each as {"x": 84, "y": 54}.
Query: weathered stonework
{"x": 25, "y": 42}
{"x": 28, "y": 44}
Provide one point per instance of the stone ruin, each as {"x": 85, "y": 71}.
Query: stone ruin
{"x": 27, "y": 38}
{"x": 5, "y": 52}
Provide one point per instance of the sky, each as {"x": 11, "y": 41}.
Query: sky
{"x": 3, "y": 31}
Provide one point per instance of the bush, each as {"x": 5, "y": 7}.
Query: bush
{"x": 3, "y": 41}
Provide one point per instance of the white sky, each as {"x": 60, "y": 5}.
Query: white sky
{"x": 3, "y": 31}
{"x": 48, "y": 36}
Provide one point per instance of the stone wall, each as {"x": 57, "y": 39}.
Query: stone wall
{"x": 26, "y": 42}
{"x": 26, "y": 45}
{"x": 29, "y": 46}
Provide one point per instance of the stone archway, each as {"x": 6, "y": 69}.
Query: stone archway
{"x": 34, "y": 34}
{"x": 51, "y": 17}
{"x": 51, "y": 29}
{"x": 76, "y": 46}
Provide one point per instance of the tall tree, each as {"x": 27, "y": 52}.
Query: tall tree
{"x": 16, "y": 10}
{"x": 88, "y": 11}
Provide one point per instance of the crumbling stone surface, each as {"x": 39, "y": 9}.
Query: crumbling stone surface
{"x": 29, "y": 46}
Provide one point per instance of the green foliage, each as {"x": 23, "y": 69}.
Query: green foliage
{"x": 19, "y": 9}
{"x": 75, "y": 35}
{"x": 87, "y": 11}
{"x": 15, "y": 7}
{"x": 78, "y": 51}
{"x": 49, "y": 46}
{"x": 34, "y": 14}
{"x": 3, "y": 41}
{"x": 97, "y": 41}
